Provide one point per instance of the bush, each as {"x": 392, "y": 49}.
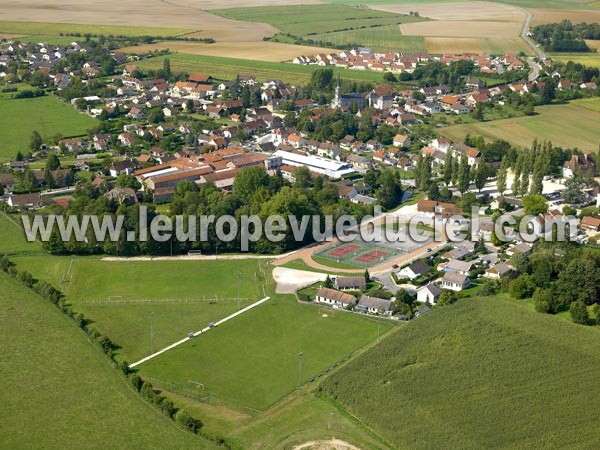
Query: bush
{"x": 136, "y": 382}
{"x": 579, "y": 313}
{"x": 184, "y": 419}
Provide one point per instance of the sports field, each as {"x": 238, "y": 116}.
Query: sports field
{"x": 566, "y": 125}
{"x": 357, "y": 254}
{"x": 47, "y": 115}
{"x": 253, "y": 359}
{"x": 52, "y": 375}
{"x": 483, "y": 373}
{"x": 229, "y": 68}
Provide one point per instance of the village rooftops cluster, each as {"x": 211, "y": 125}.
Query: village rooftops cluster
{"x": 364, "y": 58}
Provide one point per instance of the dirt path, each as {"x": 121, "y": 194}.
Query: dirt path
{"x": 331, "y": 444}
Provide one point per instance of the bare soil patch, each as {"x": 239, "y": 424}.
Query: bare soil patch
{"x": 543, "y": 15}
{"x": 149, "y": 13}
{"x": 258, "y": 51}
{"x": 459, "y": 11}
{"x": 331, "y": 444}
{"x": 462, "y": 28}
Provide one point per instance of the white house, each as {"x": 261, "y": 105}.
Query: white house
{"x": 334, "y": 298}
{"x": 413, "y": 271}
{"x": 373, "y": 305}
{"x": 429, "y": 294}
{"x": 497, "y": 271}
{"x": 455, "y": 281}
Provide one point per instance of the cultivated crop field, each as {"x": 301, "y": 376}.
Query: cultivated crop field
{"x": 545, "y": 15}
{"x": 258, "y": 51}
{"x": 48, "y": 115}
{"x": 309, "y": 20}
{"x": 566, "y": 126}
{"x": 588, "y": 59}
{"x": 229, "y": 68}
{"x": 57, "y": 29}
{"x": 253, "y": 359}
{"x": 50, "y": 368}
{"x": 481, "y": 373}
{"x": 386, "y": 37}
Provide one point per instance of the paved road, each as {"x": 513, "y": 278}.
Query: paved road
{"x": 535, "y": 69}
{"x": 526, "y": 25}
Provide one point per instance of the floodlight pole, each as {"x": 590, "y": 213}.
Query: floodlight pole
{"x": 239, "y": 278}
{"x": 151, "y": 333}
{"x": 300, "y": 370}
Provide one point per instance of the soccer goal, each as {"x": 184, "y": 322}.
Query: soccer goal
{"x": 326, "y": 312}
{"x": 115, "y": 299}
{"x": 195, "y": 387}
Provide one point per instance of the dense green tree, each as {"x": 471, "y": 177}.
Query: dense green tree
{"x": 464, "y": 175}
{"x": 535, "y": 204}
{"x": 36, "y": 141}
{"x": 248, "y": 181}
{"x": 501, "y": 181}
{"x": 579, "y": 313}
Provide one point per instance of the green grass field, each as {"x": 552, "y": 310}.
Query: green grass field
{"x": 588, "y": 59}
{"x": 567, "y": 125}
{"x": 229, "y": 68}
{"x": 13, "y": 240}
{"x": 54, "y": 379}
{"x": 56, "y": 29}
{"x": 386, "y": 37}
{"x": 308, "y": 20}
{"x": 94, "y": 279}
{"x": 253, "y": 359}
{"x": 593, "y": 103}
{"x": 48, "y": 115}
{"x": 484, "y": 373}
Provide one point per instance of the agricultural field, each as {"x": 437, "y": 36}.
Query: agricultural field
{"x": 53, "y": 369}
{"x": 593, "y": 103}
{"x": 386, "y": 37}
{"x": 566, "y": 126}
{"x": 494, "y": 46}
{"x": 483, "y": 27}
{"x": 60, "y": 29}
{"x": 13, "y": 240}
{"x": 269, "y": 51}
{"x": 229, "y": 68}
{"x": 500, "y": 374}
{"x": 588, "y": 59}
{"x": 253, "y": 360}
{"x": 309, "y": 20}
{"x": 546, "y": 15}
{"x": 48, "y": 115}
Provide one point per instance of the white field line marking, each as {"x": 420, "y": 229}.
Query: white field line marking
{"x": 198, "y": 333}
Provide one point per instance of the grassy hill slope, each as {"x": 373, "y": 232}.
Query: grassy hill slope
{"x": 59, "y": 392}
{"x": 480, "y": 374}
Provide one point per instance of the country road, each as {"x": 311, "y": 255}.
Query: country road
{"x": 526, "y": 25}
